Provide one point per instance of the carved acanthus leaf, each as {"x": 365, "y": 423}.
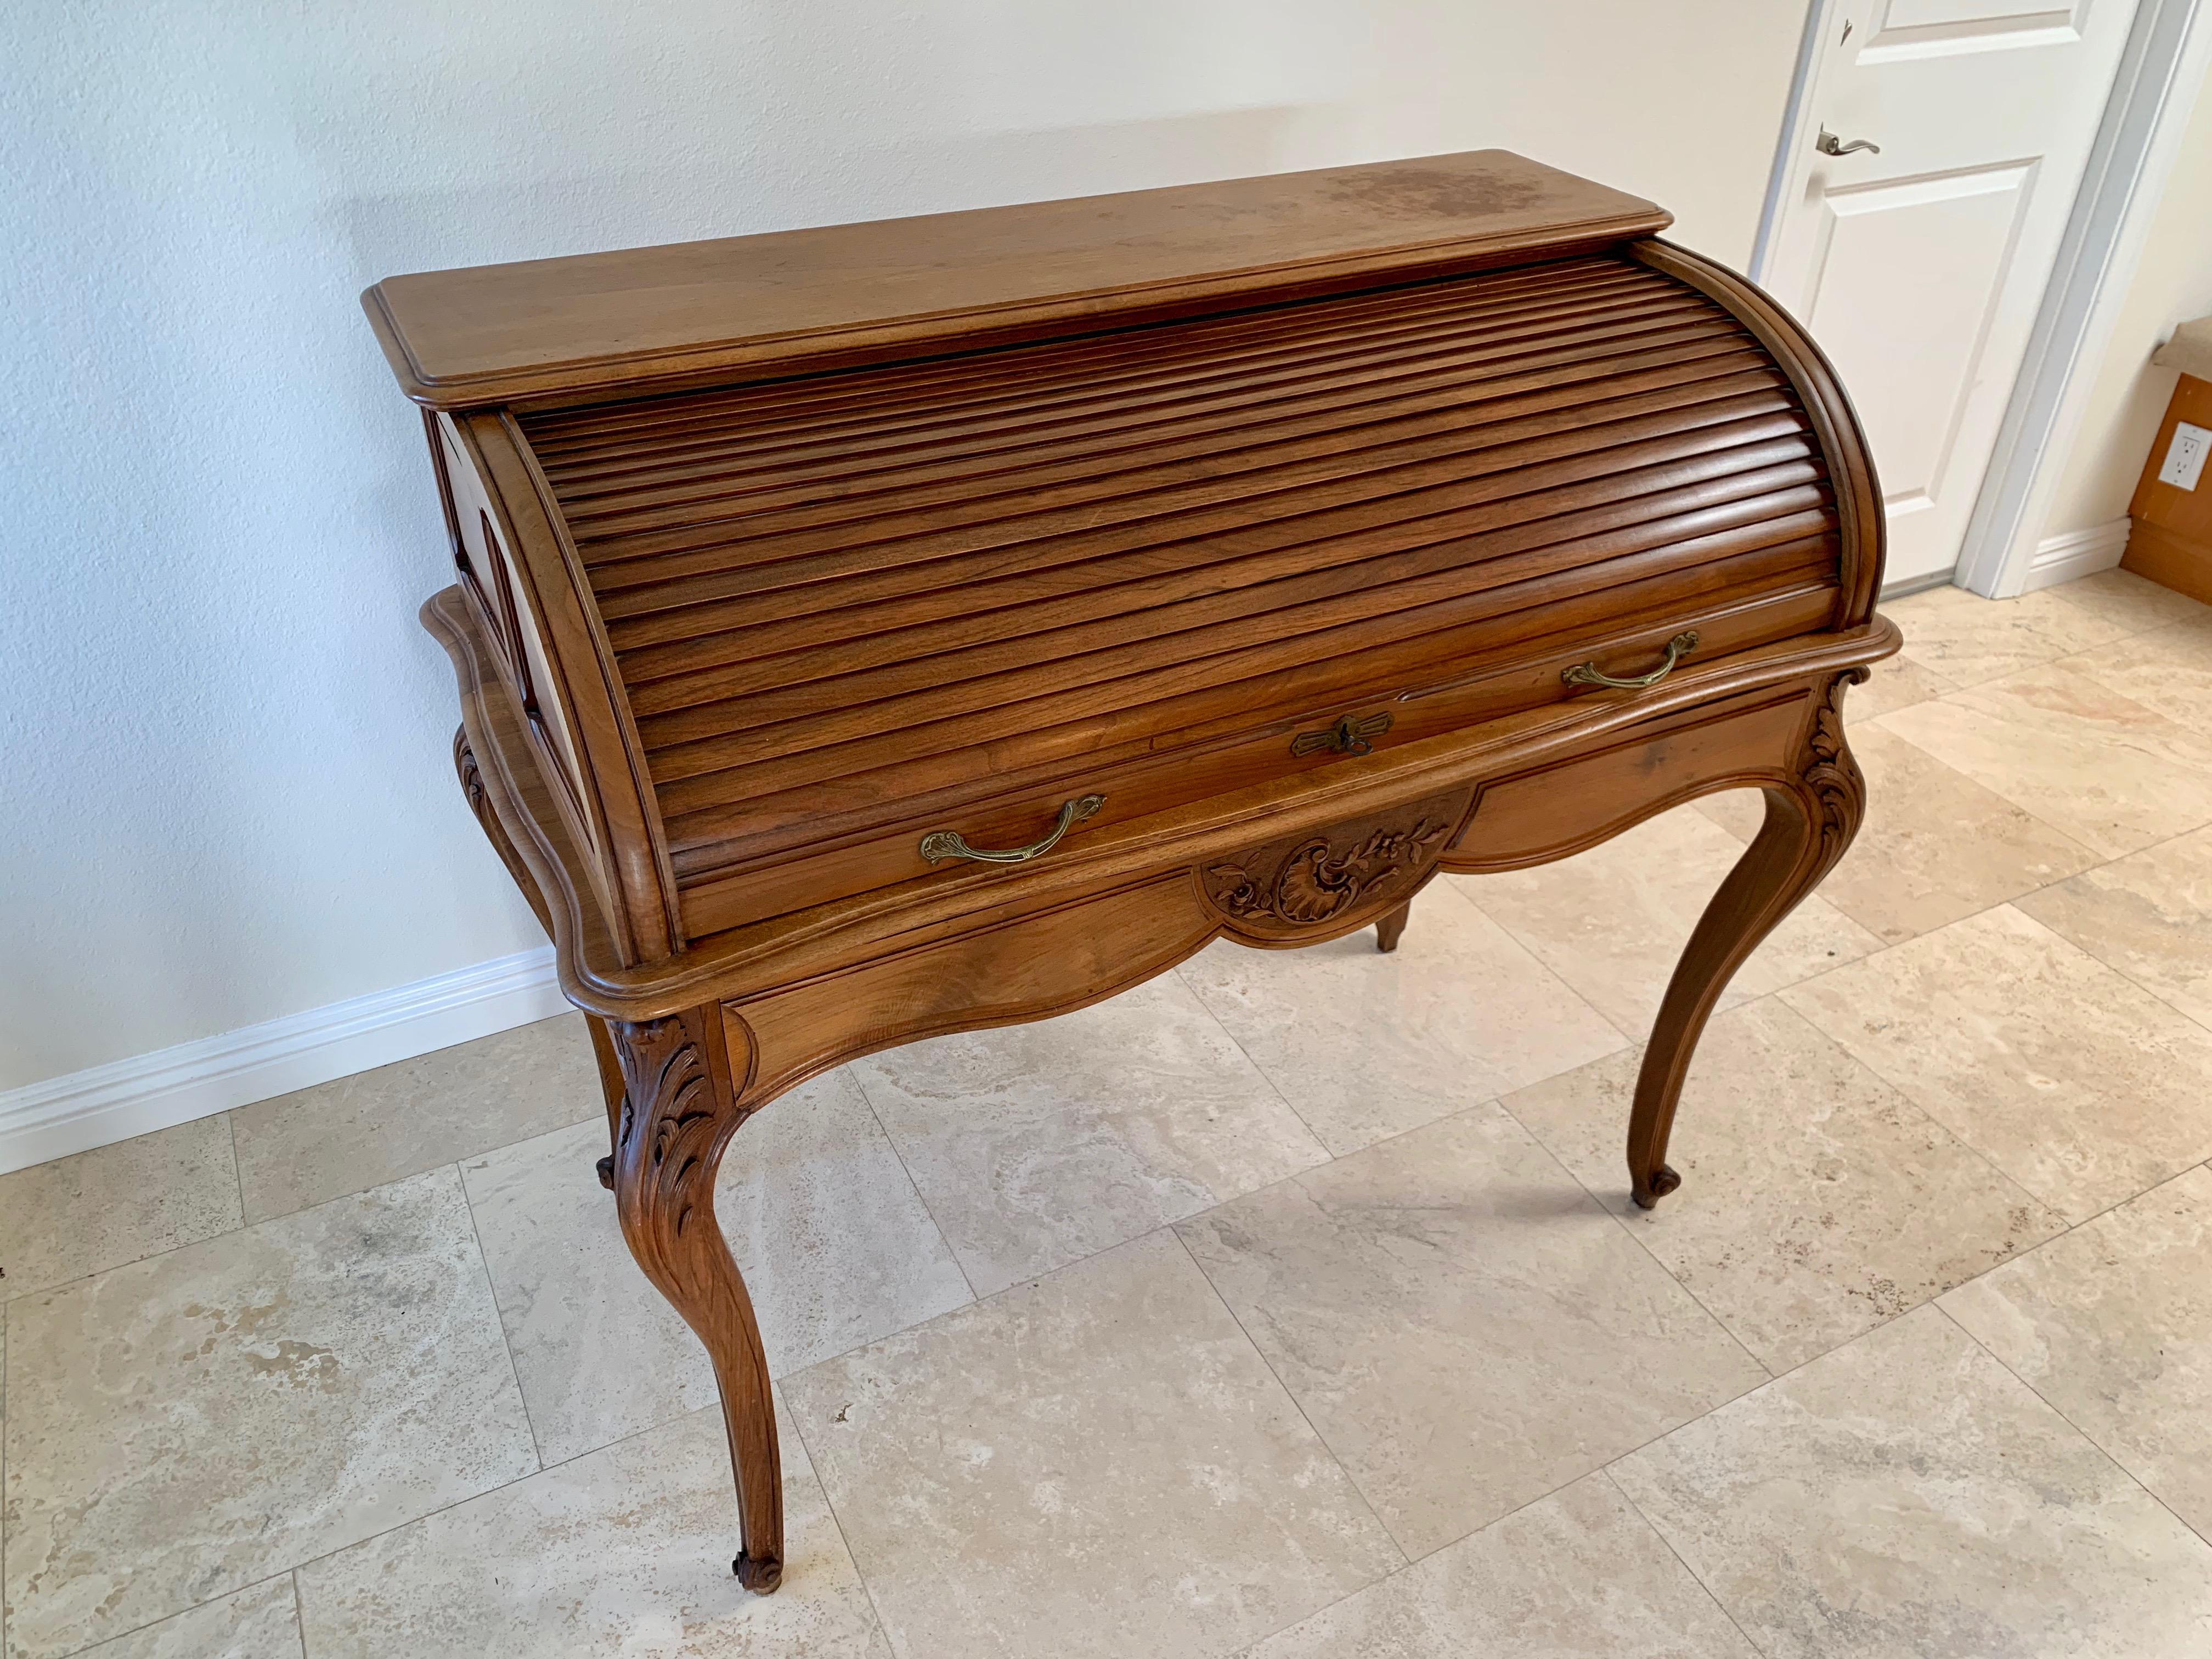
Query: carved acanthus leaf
{"x": 669, "y": 1118}
{"x": 1326, "y": 875}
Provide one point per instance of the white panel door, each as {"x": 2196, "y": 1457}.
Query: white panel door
{"x": 1919, "y": 268}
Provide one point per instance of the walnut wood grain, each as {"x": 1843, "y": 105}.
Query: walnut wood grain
{"x": 603, "y": 321}
{"x": 774, "y": 555}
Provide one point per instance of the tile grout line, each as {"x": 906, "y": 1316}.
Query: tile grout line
{"x": 1328, "y": 1156}
{"x": 920, "y": 1197}
{"x": 814, "y": 1468}
{"x": 1607, "y": 1211}
{"x": 1695, "y": 1577}
{"x": 506, "y": 1346}
{"x": 2089, "y": 1439}
{"x": 299, "y": 1614}
{"x": 178, "y": 1613}
{"x": 1320, "y": 1439}
{"x": 299, "y": 1566}
{"x": 1459, "y": 881}
{"x": 237, "y": 1171}
{"x": 1427, "y": 1555}
{"x": 1778, "y": 993}
{"x": 284, "y": 1215}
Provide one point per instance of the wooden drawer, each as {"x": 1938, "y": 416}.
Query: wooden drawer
{"x": 848, "y": 609}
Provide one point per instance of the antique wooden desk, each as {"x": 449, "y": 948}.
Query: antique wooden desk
{"x": 889, "y": 629}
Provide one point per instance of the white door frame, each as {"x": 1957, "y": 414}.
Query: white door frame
{"x": 2163, "y": 64}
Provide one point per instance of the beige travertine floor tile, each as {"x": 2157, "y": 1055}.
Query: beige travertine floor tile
{"x": 396, "y": 1121}
{"x": 2168, "y": 672}
{"x": 1896, "y": 682}
{"x": 2129, "y": 601}
{"x": 1816, "y": 1202}
{"x": 1742, "y": 812}
{"x": 2109, "y": 772}
{"x": 2079, "y": 1084}
{"x": 1366, "y": 1045}
{"x": 1907, "y": 1496}
{"x": 624, "y": 1551}
{"x": 259, "y": 1623}
{"x": 2112, "y": 1324}
{"x": 2148, "y": 914}
{"x": 1095, "y": 1463}
{"x": 1578, "y": 1575}
{"x": 1935, "y": 845}
{"x": 187, "y": 1425}
{"x": 1968, "y": 640}
{"x": 1464, "y": 1327}
{"x": 835, "y": 1245}
{"x": 113, "y": 1205}
{"x": 1612, "y": 922}
{"x": 1036, "y": 1146}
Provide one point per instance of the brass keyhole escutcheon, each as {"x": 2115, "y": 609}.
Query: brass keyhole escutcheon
{"x": 1349, "y": 736}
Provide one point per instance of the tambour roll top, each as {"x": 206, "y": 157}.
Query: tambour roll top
{"x": 1106, "y": 521}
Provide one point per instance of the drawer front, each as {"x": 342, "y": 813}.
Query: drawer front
{"x": 851, "y": 608}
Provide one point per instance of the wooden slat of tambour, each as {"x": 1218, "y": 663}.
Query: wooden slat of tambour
{"x": 1283, "y": 544}
{"x": 1761, "y": 415}
{"x": 935, "y": 654}
{"x": 779, "y": 412}
{"x": 987, "y": 675}
{"x": 808, "y": 850}
{"x": 875, "y": 572}
{"x": 664, "y": 678}
{"x": 1022, "y": 458}
{"x": 1323, "y": 468}
{"x": 888, "y": 427}
{"x": 1102, "y": 679}
{"x": 1674, "y": 368}
{"x": 1088, "y": 742}
{"x": 1343, "y": 417}
{"x": 688, "y": 545}
{"x": 1026, "y": 391}
{"x": 1529, "y": 414}
{"x": 745, "y": 762}
{"x": 654, "y": 419}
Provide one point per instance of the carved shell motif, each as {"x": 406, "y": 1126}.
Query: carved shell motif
{"x": 1317, "y": 879}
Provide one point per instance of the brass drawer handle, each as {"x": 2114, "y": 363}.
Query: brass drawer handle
{"x": 941, "y": 844}
{"x": 1586, "y": 673}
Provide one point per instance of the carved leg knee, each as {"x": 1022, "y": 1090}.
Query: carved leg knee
{"x": 678, "y": 1113}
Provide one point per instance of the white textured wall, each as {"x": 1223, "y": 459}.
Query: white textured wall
{"x": 226, "y": 793}
{"x": 2172, "y": 284}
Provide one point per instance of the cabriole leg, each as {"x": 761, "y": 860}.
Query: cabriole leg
{"x": 678, "y": 1113}
{"x": 1809, "y": 822}
{"x": 1387, "y": 928}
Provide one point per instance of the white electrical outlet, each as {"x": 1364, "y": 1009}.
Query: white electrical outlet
{"x": 2184, "y": 456}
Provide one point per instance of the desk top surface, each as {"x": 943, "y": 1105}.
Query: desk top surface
{"x": 547, "y": 329}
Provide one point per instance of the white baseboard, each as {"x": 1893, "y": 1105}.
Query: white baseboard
{"x": 2077, "y": 553}
{"x": 127, "y": 1097}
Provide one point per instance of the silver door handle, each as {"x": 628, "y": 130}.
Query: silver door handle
{"x": 1828, "y": 144}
